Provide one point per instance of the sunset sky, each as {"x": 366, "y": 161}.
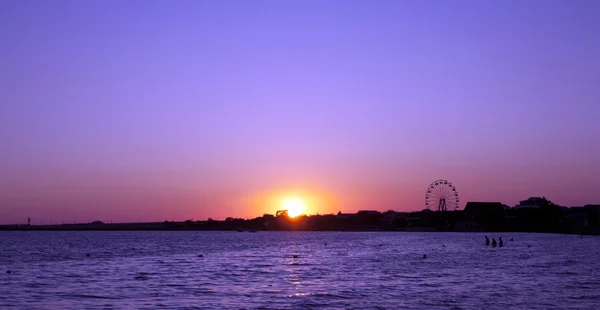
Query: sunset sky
{"x": 174, "y": 110}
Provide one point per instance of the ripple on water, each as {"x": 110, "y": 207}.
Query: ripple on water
{"x": 157, "y": 270}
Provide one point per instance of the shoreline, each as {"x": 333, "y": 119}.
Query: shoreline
{"x": 160, "y": 227}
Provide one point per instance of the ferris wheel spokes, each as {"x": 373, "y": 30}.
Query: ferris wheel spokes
{"x": 441, "y": 195}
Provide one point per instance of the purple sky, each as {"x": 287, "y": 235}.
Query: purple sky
{"x": 154, "y": 110}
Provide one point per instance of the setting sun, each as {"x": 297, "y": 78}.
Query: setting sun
{"x": 294, "y": 205}
{"x": 296, "y": 200}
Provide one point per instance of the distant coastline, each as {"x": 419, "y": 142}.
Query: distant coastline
{"x": 477, "y": 217}
{"x": 182, "y": 226}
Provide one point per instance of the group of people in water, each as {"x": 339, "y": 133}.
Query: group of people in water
{"x": 500, "y": 243}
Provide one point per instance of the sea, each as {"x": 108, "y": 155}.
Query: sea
{"x": 297, "y": 270}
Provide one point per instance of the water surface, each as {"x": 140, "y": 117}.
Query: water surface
{"x": 296, "y": 270}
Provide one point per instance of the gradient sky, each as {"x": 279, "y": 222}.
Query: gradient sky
{"x": 162, "y": 110}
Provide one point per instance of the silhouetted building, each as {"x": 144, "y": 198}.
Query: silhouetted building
{"x": 369, "y": 217}
{"x": 533, "y": 202}
{"x": 478, "y": 209}
{"x": 467, "y": 225}
{"x": 393, "y": 220}
{"x": 268, "y": 217}
{"x": 575, "y": 223}
{"x": 345, "y": 216}
{"x": 489, "y": 215}
{"x": 368, "y": 212}
{"x": 593, "y": 213}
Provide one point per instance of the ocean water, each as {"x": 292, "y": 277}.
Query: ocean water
{"x": 297, "y": 270}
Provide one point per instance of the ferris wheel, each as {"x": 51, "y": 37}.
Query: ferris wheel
{"x": 441, "y": 195}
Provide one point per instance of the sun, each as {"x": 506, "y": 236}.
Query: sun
{"x": 294, "y": 205}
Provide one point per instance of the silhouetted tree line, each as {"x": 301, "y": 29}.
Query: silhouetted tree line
{"x": 548, "y": 218}
{"x": 476, "y": 217}
{"x": 484, "y": 217}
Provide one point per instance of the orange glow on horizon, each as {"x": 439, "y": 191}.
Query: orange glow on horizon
{"x": 296, "y": 201}
{"x": 294, "y": 205}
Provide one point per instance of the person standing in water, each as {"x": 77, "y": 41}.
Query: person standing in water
{"x": 487, "y": 240}
{"x": 500, "y": 242}
{"x": 493, "y": 242}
